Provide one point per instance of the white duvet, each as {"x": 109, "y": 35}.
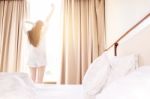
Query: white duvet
{"x": 20, "y": 86}
{"x": 14, "y": 87}
{"x": 59, "y": 92}
{"x": 136, "y": 85}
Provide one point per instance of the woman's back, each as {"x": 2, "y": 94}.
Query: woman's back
{"x": 34, "y": 35}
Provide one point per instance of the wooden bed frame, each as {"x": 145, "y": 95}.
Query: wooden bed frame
{"x": 137, "y": 45}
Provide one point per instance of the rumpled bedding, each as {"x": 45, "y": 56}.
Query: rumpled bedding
{"x": 16, "y": 86}
{"x": 136, "y": 85}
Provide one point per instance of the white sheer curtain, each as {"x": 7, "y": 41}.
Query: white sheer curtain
{"x": 12, "y": 14}
{"x": 83, "y": 37}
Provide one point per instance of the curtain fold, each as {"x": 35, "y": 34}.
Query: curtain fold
{"x": 12, "y": 14}
{"x": 83, "y": 37}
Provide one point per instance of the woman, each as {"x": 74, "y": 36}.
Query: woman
{"x": 37, "y": 54}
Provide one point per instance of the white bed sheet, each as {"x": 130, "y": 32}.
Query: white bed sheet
{"x": 59, "y": 91}
{"x": 19, "y": 86}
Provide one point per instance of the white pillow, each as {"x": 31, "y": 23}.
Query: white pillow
{"x": 96, "y": 75}
{"x": 121, "y": 66}
{"x": 144, "y": 68}
{"x": 135, "y": 85}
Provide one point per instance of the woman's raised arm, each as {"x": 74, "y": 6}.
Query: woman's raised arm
{"x": 50, "y": 14}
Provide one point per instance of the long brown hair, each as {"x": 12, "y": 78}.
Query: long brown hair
{"x": 34, "y": 35}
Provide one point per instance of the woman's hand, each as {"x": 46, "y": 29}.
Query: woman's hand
{"x": 52, "y": 6}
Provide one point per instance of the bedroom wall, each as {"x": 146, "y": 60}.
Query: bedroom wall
{"x": 122, "y": 15}
{"x": 139, "y": 45}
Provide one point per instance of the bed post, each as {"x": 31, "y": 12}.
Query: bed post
{"x": 115, "y": 48}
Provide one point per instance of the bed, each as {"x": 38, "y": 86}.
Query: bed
{"x": 59, "y": 91}
{"x": 136, "y": 84}
{"x": 20, "y": 86}
{"x": 126, "y": 76}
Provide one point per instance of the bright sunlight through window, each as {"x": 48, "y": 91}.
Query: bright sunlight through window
{"x": 40, "y": 9}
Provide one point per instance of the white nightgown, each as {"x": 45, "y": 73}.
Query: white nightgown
{"x": 37, "y": 55}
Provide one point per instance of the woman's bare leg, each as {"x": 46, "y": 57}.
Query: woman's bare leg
{"x": 40, "y": 74}
{"x": 33, "y": 73}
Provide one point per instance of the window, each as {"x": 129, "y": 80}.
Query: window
{"x": 39, "y": 9}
